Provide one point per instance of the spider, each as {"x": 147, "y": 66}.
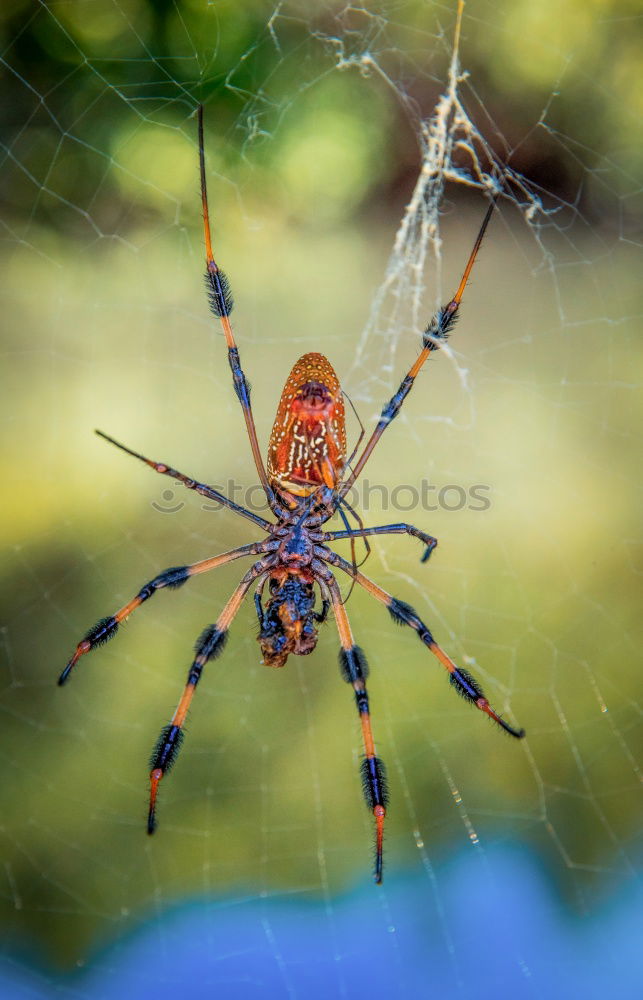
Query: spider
{"x": 306, "y": 479}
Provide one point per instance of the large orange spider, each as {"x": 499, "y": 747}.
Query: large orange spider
{"x": 306, "y": 480}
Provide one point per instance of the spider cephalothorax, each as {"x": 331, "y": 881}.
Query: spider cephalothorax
{"x": 305, "y": 484}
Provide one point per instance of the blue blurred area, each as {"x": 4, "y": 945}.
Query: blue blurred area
{"x": 482, "y": 926}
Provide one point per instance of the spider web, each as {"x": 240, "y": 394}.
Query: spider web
{"x": 351, "y": 152}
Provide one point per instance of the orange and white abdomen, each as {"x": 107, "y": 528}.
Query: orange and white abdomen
{"x": 307, "y": 446}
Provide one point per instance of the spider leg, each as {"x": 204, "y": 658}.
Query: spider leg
{"x": 209, "y": 645}
{"x": 403, "y": 614}
{"x": 354, "y": 669}
{"x": 173, "y": 578}
{"x": 362, "y": 431}
{"x": 221, "y": 303}
{"x": 321, "y": 616}
{"x": 191, "y": 484}
{"x": 344, "y": 503}
{"x": 353, "y": 535}
{"x": 387, "y": 529}
{"x": 353, "y": 554}
{"x": 434, "y": 336}
{"x": 259, "y": 609}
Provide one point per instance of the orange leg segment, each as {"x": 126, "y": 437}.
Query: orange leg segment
{"x": 173, "y": 578}
{"x": 355, "y": 671}
{"x": 191, "y": 484}
{"x": 436, "y": 333}
{"x": 209, "y": 645}
{"x": 404, "y": 614}
{"x": 221, "y": 303}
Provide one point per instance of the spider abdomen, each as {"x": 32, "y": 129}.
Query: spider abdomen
{"x": 307, "y": 446}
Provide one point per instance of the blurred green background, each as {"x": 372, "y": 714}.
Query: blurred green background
{"x": 312, "y": 155}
